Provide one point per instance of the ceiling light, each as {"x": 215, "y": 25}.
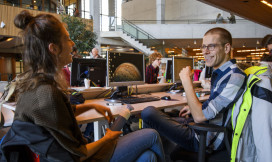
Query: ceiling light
{"x": 266, "y": 3}
{"x": 9, "y": 39}
{"x": 244, "y": 45}
{"x": 257, "y": 42}
{"x": 194, "y": 41}
{"x": 196, "y": 49}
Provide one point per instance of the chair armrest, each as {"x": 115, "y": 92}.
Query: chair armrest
{"x": 206, "y": 127}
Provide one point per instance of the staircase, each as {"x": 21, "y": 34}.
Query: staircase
{"x": 138, "y": 38}
{"x": 135, "y": 43}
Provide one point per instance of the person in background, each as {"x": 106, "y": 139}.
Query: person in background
{"x": 75, "y": 54}
{"x": 205, "y": 82}
{"x": 76, "y": 12}
{"x": 266, "y": 59}
{"x": 67, "y": 74}
{"x": 267, "y": 43}
{"x": 45, "y": 121}
{"x": 232, "y": 19}
{"x": 219, "y": 19}
{"x": 95, "y": 54}
{"x": 152, "y": 70}
{"x": 227, "y": 84}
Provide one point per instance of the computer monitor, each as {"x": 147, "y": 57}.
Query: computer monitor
{"x": 208, "y": 71}
{"x": 124, "y": 69}
{"x": 93, "y": 69}
{"x": 178, "y": 64}
{"x": 169, "y": 70}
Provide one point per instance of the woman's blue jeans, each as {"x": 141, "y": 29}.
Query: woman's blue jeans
{"x": 174, "y": 129}
{"x": 142, "y": 145}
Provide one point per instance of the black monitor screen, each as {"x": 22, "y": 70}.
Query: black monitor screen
{"x": 208, "y": 72}
{"x": 125, "y": 69}
{"x": 168, "y": 75}
{"x": 178, "y": 64}
{"x": 93, "y": 69}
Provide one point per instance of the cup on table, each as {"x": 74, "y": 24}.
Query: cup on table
{"x": 87, "y": 83}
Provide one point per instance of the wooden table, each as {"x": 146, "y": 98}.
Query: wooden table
{"x": 99, "y": 120}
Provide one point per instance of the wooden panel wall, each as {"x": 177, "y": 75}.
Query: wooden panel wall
{"x": 7, "y": 66}
{"x": 8, "y": 13}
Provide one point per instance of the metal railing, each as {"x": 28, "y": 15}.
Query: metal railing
{"x": 144, "y": 37}
{"x": 187, "y": 21}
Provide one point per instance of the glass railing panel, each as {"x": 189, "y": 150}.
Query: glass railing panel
{"x": 142, "y": 35}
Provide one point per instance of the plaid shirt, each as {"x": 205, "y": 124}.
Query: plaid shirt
{"x": 227, "y": 85}
{"x": 151, "y": 74}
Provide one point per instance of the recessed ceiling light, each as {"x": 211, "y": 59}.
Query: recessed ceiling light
{"x": 9, "y": 39}
{"x": 266, "y": 3}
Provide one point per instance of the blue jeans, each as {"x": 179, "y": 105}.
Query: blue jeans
{"x": 89, "y": 129}
{"x": 174, "y": 129}
{"x": 142, "y": 145}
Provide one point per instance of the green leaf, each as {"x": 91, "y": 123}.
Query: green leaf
{"x": 84, "y": 39}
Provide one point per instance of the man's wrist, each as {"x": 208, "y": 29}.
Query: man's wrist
{"x": 186, "y": 80}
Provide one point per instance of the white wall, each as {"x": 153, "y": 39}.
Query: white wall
{"x": 188, "y": 31}
{"x": 139, "y": 10}
{"x": 174, "y": 10}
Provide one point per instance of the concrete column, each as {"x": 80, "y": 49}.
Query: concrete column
{"x": 95, "y": 12}
{"x": 112, "y": 13}
{"x": 160, "y": 14}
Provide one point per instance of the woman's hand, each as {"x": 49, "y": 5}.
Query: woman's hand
{"x": 81, "y": 108}
{"x": 185, "y": 111}
{"x": 102, "y": 110}
{"x": 111, "y": 135}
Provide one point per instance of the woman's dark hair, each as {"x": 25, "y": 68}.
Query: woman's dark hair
{"x": 267, "y": 58}
{"x": 267, "y": 40}
{"x": 38, "y": 32}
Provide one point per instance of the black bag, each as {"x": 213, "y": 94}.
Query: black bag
{"x": 76, "y": 98}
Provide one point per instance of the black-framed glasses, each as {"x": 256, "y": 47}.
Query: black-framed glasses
{"x": 210, "y": 47}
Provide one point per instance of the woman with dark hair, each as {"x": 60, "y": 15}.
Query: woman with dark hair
{"x": 267, "y": 43}
{"x": 44, "y": 119}
{"x": 266, "y": 60}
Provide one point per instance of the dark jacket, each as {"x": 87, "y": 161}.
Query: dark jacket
{"x": 26, "y": 136}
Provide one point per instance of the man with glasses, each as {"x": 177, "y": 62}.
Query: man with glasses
{"x": 152, "y": 71}
{"x": 227, "y": 84}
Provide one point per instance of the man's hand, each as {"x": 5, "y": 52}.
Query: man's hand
{"x": 184, "y": 111}
{"x": 186, "y": 73}
{"x": 102, "y": 110}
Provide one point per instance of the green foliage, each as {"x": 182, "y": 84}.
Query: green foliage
{"x": 84, "y": 38}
